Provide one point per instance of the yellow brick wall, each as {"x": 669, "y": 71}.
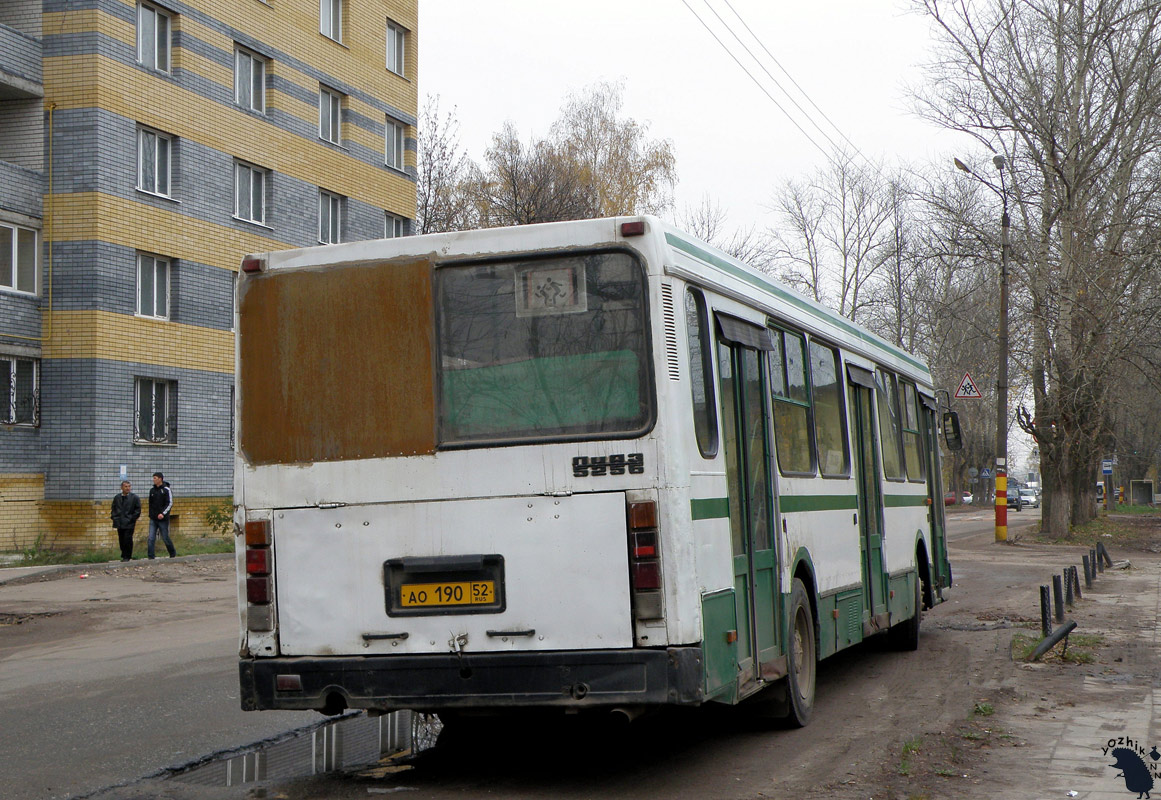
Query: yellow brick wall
{"x": 85, "y": 524}
{"x": 21, "y": 499}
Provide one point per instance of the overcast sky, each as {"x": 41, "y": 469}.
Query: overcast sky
{"x": 517, "y": 59}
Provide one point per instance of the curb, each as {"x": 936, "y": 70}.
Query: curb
{"x": 11, "y": 576}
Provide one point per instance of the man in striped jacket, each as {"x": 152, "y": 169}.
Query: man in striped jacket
{"x": 160, "y": 504}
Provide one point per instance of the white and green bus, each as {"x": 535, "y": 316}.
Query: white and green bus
{"x": 582, "y": 465}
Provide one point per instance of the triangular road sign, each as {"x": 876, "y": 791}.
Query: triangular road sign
{"x": 967, "y": 389}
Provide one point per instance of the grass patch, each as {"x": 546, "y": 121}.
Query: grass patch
{"x": 910, "y": 748}
{"x": 983, "y": 709}
{"x": 1081, "y": 648}
{"x": 1138, "y": 527}
{"x": 39, "y": 556}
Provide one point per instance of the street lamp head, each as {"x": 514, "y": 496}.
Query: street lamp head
{"x": 960, "y": 165}
{"x": 999, "y": 162}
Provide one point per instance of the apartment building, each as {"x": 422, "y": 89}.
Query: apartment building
{"x": 145, "y": 147}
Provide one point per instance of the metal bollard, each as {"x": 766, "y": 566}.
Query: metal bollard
{"x": 1045, "y": 612}
{"x": 1075, "y": 582}
{"x": 1103, "y": 554}
{"x": 1057, "y": 598}
{"x": 1087, "y": 572}
{"x": 1067, "y": 576}
{"x": 1097, "y": 566}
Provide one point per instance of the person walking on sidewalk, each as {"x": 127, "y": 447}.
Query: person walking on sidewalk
{"x": 126, "y": 510}
{"x": 160, "y": 503}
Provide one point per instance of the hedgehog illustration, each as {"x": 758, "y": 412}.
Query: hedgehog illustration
{"x": 1133, "y": 770}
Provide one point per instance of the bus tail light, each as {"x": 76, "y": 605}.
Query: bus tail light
{"x": 645, "y": 560}
{"x": 259, "y": 569}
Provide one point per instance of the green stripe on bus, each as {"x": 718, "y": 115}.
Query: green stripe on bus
{"x": 904, "y": 500}
{"x": 817, "y": 502}
{"x": 710, "y": 508}
{"x": 794, "y": 300}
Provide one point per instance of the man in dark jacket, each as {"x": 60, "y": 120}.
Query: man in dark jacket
{"x": 160, "y": 504}
{"x": 126, "y": 510}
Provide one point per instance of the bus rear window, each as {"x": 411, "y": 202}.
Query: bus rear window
{"x": 545, "y": 349}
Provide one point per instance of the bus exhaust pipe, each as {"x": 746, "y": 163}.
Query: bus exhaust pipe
{"x": 626, "y": 715}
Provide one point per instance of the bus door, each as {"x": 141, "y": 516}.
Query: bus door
{"x": 870, "y": 504}
{"x": 745, "y": 434}
{"x": 931, "y": 430}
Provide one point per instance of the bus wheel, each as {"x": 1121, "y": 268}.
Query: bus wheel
{"x": 905, "y": 635}
{"x": 802, "y": 661}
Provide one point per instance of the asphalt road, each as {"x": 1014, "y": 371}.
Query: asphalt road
{"x": 118, "y": 675}
{"x": 112, "y": 677}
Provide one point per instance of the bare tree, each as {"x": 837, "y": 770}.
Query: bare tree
{"x": 442, "y": 203}
{"x": 707, "y": 221}
{"x": 1070, "y": 92}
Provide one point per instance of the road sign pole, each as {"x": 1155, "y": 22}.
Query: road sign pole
{"x": 1001, "y": 500}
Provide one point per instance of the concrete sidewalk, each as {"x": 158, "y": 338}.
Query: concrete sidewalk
{"x": 14, "y": 575}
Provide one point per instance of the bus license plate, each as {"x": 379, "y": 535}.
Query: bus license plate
{"x": 456, "y": 593}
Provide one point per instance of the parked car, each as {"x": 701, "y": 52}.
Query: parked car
{"x": 1015, "y": 501}
{"x": 1030, "y": 498}
{"x": 949, "y": 498}
{"x": 967, "y": 497}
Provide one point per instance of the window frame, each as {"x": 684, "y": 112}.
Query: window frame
{"x": 886, "y": 390}
{"x": 397, "y": 37}
{"x": 12, "y": 405}
{"x": 169, "y": 436}
{"x": 394, "y": 143}
{"x": 841, "y": 394}
{"x": 394, "y": 226}
{"x": 257, "y": 63}
{"x": 331, "y": 11}
{"x": 158, "y": 13}
{"x": 166, "y": 265}
{"x": 142, "y": 133}
{"x": 780, "y": 333}
{"x": 330, "y": 114}
{"x": 15, "y": 286}
{"x": 334, "y": 208}
{"x": 705, "y": 344}
{"x": 909, "y": 387}
{"x": 253, "y": 171}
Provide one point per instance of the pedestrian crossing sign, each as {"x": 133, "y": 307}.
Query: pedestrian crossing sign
{"x": 967, "y": 389}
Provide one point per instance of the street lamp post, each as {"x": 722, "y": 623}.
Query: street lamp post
{"x": 1002, "y": 356}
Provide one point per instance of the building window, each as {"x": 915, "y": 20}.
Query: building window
{"x": 153, "y": 37}
{"x": 396, "y": 46}
{"x": 330, "y": 19}
{"x": 153, "y": 162}
{"x": 152, "y": 287}
{"x": 250, "y": 193}
{"x": 330, "y": 216}
{"x": 18, "y": 258}
{"x": 155, "y": 415}
{"x": 393, "y": 135}
{"x": 20, "y": 383}
{"x": 394, "y": 227}
{"x": 330, "y": 115}
{"x": 249, "y": 81}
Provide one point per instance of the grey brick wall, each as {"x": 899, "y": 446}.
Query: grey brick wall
{"x": 87, "y": 414}
{"x": 23, "y": 15}
{"x": 22, "y": 137}
{"x": 21, "y": 190}
{"x": 20, "y": 54}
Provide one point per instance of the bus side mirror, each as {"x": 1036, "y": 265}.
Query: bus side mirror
{"x": 952, "y": 436}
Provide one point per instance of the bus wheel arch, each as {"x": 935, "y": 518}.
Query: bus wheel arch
{"x": 923, "y": 564}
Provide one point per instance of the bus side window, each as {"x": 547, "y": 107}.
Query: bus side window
{"x": 830, "y": 427}
{"x": 790, "y": 393}
{"x": 701, "y": 374}
{"x": 912, "y": 448}
{"x": 888, "y": 402}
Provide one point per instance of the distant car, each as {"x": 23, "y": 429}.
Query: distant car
{"x": 949, "y": 498}
{"x": 967, "y": 497}
{"x": 1030, "y": 498}
{"x": 1015, "y": 501}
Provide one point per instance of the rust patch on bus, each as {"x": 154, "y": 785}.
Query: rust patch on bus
{"x": 336, "y": 363}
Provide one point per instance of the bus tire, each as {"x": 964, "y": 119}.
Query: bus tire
{"x": 801, "y": 658}
{"x": 905, "y": 635}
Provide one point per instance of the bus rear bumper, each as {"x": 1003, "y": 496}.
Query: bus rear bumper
{"x": 568, "y": 679}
